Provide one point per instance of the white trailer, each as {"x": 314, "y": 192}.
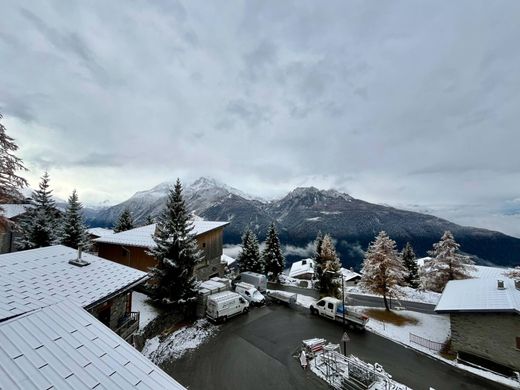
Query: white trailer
{"x": 333, "y": 309}
{"x": 259, "y": 281}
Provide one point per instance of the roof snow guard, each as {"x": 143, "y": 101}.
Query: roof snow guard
{"x": 41, "y": 277}
{"x": 479, "y": 295}
{"x": 142, "y": 237}
{"x": 63, "y": 347}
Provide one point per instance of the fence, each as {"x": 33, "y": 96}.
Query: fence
{"x": 431, "y": 345}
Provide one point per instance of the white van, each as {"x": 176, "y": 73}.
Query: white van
{"x": 259, "y": 281}
{"x": 225, "y": 304}
{"x": 250, "y": 293}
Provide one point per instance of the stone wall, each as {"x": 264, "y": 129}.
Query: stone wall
{"x": 491, "y": 336}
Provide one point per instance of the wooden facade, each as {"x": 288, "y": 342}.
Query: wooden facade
{"x": 210, "y": 243}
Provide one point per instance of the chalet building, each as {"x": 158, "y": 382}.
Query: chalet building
{"x": 132, "y": 247}
{"x": 37, "y": 278}
{"x": 303, "y": 269}
{"x": 8, "y": 233}
{"x": 485, "y": 321}
{"x": 94, "y": 233}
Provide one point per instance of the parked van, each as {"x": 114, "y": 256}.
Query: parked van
{"x": 250, "y": 293}
{"x": 259, "y": 281}
{"x": 225, "y": 304}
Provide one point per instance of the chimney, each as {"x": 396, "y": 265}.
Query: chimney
{"x": 500, "y": 285}
{"x": 79, "y": 262}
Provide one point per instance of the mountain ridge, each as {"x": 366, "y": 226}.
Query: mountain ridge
{"x": 304, "y": 211}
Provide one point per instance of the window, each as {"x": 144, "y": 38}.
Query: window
{"x": 330, "y": 306}
{"x": 247, "y": 293}
{"x": 321, "y": 303}
{"x": 204, "y": 245}
{"x": 518, "y": 343}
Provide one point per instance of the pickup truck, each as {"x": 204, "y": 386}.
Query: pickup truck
{"x": 333, "y": 309}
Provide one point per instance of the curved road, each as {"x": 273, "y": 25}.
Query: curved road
{"x": 254, "y": 352}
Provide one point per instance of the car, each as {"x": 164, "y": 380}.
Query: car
{"x": 250, "y": 293}
{"x": 226, "y": 304}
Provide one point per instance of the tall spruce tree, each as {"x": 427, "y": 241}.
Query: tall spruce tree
{"x": 272, "y": 254}
{"x": 382, "y": 269}
{"x": 330, "y": 267}
{"x": 249, "y": 258}
{"x": 447, "y": 264}
{"x": 318, "y": 242}
{"x": 39, "y": 225}
{"x": 73, "y": 231}
{"x": 177, "y": 254}
{"x": 10, "y": 182}
{"x": 125, "y": 221}
{"x": 409, "y": 261}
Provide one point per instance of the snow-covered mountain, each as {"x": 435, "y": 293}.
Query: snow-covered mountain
{"x": 304, "y": 211}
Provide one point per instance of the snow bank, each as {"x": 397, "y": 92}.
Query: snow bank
{"x": 140, "y": 303}
{"x": 293, "y": 282}
{"x": 406, "y": 294}
{"x": 179, "y": 342}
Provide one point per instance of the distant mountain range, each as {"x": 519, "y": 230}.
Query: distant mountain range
{"x": 305, "y": 211}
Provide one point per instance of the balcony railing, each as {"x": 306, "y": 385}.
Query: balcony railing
{"x": 129, "y": 325}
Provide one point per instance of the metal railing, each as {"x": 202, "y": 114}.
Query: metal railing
{"x": 129, "y": 325}
{"x": 427, "y": 343}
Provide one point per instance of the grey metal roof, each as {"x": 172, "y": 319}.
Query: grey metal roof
{"x": 64, "y": 347}
{"x": 36, "y": 278}
{"x": 143, "y": 236}
{"x": 479, "y": 295}
{"x": 13, "y": 210}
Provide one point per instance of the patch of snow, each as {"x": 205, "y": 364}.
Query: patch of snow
{"x": 141, "y": 303}
{"x": 313, "y": 219}
{"x": 293, "y": 282}
{"x": 179, "y": 342}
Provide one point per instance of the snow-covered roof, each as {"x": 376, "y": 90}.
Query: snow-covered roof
{"x": 479, "y": 295}
{"x": 62, "y": 346}
{"x": 227, "y": 259}
{"x": 301, "y": 267}
{"x": 349, "y": 274}
{"x": 483, "y": 272}
{"x": 13, "y": 210}
{"x": 142, "y": 236}
{"x": 100, "y": 232}
{"x": 420, "y": 262}
{"x": 40, "y": 277}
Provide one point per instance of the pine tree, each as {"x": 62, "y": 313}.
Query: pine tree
{"x": 409, "y": 261}
{"x": 149, "y": 220}
{"x": 177, "y": 254}
{"x": 39, "y": 224}
{"x": 514, "y": 273}
{"x": 125, "y": 221}
{"x": 272, "y": 254}
{"x": 318, "y": 242}
{"x": 330, "y": 267}
{"x": 73, "y": 232}
{"x": 382, "y": 269}
{"x": 249, "y": 258}
{"x": 447, "y": 264}
{"x": 10, "y": 182}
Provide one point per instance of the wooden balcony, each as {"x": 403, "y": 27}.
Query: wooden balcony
{"x": 129, "y": 325}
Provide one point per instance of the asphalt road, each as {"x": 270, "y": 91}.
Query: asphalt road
{"x": 254, "y": 352}
{"x": 360, "y": 300}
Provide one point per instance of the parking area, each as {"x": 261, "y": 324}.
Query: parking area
{"x": 254, "y": 351}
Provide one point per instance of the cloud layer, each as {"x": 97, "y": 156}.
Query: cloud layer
{"x": 412, "y": 103}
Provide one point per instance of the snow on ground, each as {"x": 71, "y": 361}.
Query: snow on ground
{"x": 179, "y": 342}
{"x": 288, "y": 281}
{"x": 305, "y": 301}
{"x": 141, "y": 303}
{"x": 434, "y": 327}
{"x": 406, "y": 294}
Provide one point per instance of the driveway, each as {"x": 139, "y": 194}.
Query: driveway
{"x": 254, "y": 352}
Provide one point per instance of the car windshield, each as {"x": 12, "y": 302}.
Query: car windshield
{"x": 256, "y": 294}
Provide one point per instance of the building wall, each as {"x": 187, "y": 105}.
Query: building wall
{"x": 117, "y": 307}
{"x": 488, "y": 335}
{"x": 210, "y": 244}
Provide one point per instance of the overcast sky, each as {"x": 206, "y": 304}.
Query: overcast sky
{"x": 414, "y": 104}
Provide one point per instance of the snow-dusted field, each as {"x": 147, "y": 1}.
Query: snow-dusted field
{"x": 141, "y": 304}
{"x": 406, "y": 294}
{"x": 179, "y": 342}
